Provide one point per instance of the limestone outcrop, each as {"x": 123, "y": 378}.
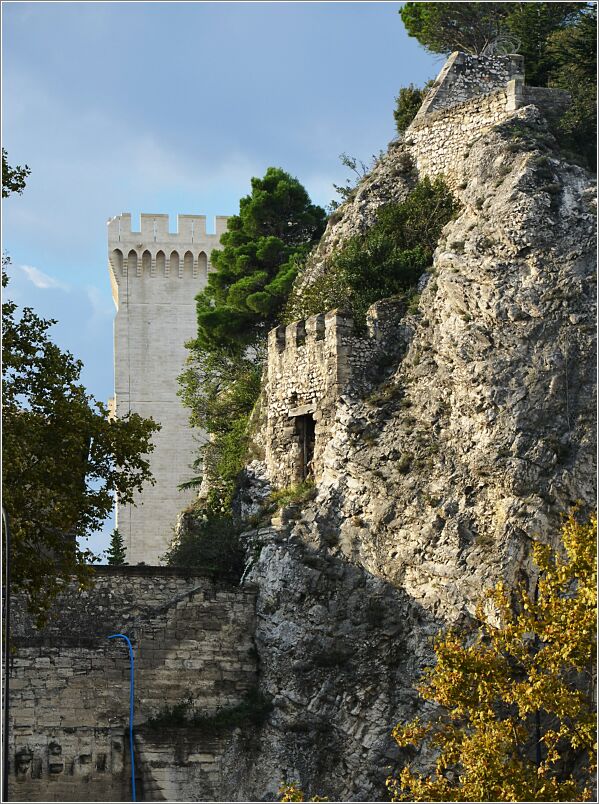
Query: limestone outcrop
{"x": 435, "y": 481}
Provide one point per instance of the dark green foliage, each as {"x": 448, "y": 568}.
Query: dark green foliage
{"x": 63, "y": 459}
{"x": 13, "y": 179}
{"x": 220, "y": 388}
{"x": 531, "y": 25}
{"x": 444, "y": 27}
{"x": 249, "y": 714}
{"x": 277, "y": 225}
{"x": 116, "y": 553}
{"x": 211, "y": 544}
{"x": 291, "y": 495}
{"x": 524, "y": 28}
{"x": 407, "y": 104}
{"x": 574, "y": 67}
{"x": 387, "y": 260}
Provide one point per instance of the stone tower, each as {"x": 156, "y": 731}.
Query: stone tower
{"x": 155, "y": 276}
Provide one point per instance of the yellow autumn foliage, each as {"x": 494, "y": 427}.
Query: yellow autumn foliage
{"x": 516, "y": 717}
{"x": 291, "y": 791}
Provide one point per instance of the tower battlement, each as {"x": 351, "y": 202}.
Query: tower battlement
{"x": 155, "y": 228}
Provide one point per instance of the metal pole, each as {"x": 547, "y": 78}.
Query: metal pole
{"x": 128, "y": 641}
{"x": 6, "y": 654}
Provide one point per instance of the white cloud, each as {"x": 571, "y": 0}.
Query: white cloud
{"x": 40, "y": 279}
{"x": 101, "y": 303}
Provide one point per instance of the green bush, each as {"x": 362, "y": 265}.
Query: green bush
{"x": 251, "y": 712}
{"x": 386, "y": 261}
{"x": 407, "y": 104}
{"x": 292, "y": 495}
{"x": 221, "y": 389}
{"x": 211, "y": 545}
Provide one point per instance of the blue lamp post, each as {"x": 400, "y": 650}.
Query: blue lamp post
{"x": 128, "y": 641}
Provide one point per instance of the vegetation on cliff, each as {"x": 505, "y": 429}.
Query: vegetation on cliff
{"x": 249, "y": 714}
{"x": 407, "y": 103}
{"x": 385, "y": 261}
{"x": 516, "y": 719}
{"x": 209, "y": 542}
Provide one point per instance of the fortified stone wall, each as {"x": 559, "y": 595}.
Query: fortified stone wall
{"x": 466, "y": 76}
{"x": 69, "y": 688}
{"x": 155, "y": 276}
{"x": 311, "y": 364}
{"x": 440, "y": 141}
{"x": 470, "y": 95}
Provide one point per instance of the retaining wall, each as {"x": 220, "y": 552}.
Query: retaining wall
{"x": 69, "y": 688}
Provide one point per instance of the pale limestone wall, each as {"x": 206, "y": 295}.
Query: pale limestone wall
{"x": 440, "y": 141}
{"x": 465, "y": 76}
{"x": 69, "y": 687}
{"x": 183, "y": 767}
{"x": 306, "y": 374}
{"x": 311, "y": 364}
{"x": 155, "y": 276}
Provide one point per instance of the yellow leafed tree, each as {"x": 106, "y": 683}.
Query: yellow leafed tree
{"x": 516, "y": 715}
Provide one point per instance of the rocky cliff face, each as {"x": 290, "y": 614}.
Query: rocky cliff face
{"x": 435, "y": 483}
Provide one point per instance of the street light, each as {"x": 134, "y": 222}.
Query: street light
{"x": 128, "y": 641}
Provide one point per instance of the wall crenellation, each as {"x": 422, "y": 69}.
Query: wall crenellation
{"x": 306, "y": 331}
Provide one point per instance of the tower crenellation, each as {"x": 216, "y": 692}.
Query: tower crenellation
{"x": 154, "y": 251}
{"x": 155, "y": 227}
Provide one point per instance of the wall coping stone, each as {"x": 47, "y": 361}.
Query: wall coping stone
{"x": 160, "y": 571}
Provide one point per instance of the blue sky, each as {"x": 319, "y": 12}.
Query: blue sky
{"x": 173, "y": 107}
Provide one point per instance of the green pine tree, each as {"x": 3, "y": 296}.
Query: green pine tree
{"x": 116, "y": 553}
